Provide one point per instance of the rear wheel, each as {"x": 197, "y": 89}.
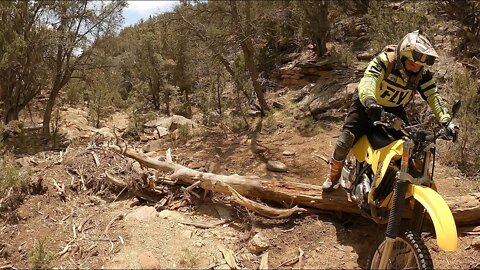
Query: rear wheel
{"x": 409, "y": 252}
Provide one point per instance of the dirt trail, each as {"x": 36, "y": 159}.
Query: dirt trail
{"x": 146, "y": 238}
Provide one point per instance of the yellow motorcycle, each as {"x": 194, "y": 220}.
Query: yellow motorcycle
{"x": 389, "y": 175}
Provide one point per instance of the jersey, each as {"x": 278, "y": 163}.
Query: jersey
{"x": 393, "y": 92}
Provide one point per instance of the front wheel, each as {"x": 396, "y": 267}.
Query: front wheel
{"x": 409, "y": 252}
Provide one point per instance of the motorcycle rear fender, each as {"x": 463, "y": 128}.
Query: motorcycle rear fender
{"x": 440, "y": 214}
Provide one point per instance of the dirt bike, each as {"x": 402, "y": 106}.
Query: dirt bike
{"x": 389, "y": 174}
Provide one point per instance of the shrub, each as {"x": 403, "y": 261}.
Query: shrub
{"x": 466, "y": 153}
{"x": 41, "y": 257}
{"x": 13, "y": 180}
{"x": 387, "y": 24}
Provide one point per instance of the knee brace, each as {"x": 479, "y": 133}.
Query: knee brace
{"x": 344, "y": 144}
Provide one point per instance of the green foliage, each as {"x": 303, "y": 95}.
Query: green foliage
{"x": 41, "y": 256}
{"x": 386, "y": 25}
{"x": 137, "y": 118}
{"x": 13, "y": 179}
{"x": 103, "y": 94}
{"x": 466, "y": 152}
{"x": 75, "y": 92}
{"x": 308, "y": 122}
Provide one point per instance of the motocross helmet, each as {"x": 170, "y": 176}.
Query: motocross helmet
{"x": 416, "y": 47}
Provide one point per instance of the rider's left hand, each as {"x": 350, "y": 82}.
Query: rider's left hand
{"x": 452, "y": 131}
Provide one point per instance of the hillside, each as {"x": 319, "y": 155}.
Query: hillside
{"x": 70, "y": 201}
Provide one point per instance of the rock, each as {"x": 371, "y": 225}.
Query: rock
{"x": 304, "y": 104}
{"x": 142, "y": 213}
{"x": 178, "y": 121}
{"x": 365, "y": 56}
{"x": 171, "y": 215}
{"x": 254, "y": 113}
{"x": 146, "y": 137}
{"x": 350, "y": 90}
{"x": 258, "y": 244}
{"x": 321, "y": 105}
{"x": 24, "y": 161}
{"x": 170, "y": 123}
{"x": 161, "y": 132}
{"x": 288, "y": 153}
{"x": 136, "y": 167}
{"x": 276, "y": 166}
{"x": 175, "y": 135}
{"x": 148, "y": 262}
{"x": 152, "y": 146}
{"x": 187, "y": 234}
{"x": 224, "y": 212}
{"x": 247, "y": 257}
{"x": 196, "y": 165}
{"x": 302, "y": 93}
{"x": 476, "y": 243}
{"x": 164, "y": 122}
{"x": 278, "y": 105}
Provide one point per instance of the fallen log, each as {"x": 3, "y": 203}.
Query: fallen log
{"x": 465, "y": 209}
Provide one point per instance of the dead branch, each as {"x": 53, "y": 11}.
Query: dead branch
{"x": 323, "y": 158}
{"x": 119, "y": 217}
{"x": 229, "y": 258}
{"x": 95, "y": 158}
{"x": 80, "y": 227}
{"x": 7, "y": 267}
{"x": 264, "y": 210}
{"x": 61, "y": 190}
{"x": 151, "y": 195}
{"x": 292, "y": 260}
{"x": 264, "y": 261}
{"x": 206, "y": 226}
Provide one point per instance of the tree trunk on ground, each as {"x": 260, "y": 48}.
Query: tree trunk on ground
{"x": 465, "y": 209}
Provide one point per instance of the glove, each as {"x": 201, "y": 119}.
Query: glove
{"x": 452, "y": 131}
{"x": 373, "y": 110}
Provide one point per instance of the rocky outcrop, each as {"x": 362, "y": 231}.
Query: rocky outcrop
{"x": 304, "y": 71}
{"x": 325, "y": 97}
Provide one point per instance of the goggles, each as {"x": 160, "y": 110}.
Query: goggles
{"x": 423, "y": 59}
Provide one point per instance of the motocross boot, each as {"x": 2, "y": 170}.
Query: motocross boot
{"x": 334, "y": 175}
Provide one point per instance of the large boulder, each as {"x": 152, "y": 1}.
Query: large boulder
{"x": 170, "y": 123}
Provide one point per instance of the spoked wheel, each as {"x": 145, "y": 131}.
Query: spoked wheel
{"x": 409, "y": 252}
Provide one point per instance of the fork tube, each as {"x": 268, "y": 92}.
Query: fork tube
{"x": 394, "y": 219}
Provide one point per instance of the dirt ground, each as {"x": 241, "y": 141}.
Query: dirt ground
{"x": 93, "y": 225}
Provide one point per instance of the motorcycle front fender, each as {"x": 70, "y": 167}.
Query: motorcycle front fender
{"x": 440, "y": 214}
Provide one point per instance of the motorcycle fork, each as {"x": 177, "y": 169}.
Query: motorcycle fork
{"x": 394, "y": 220}
{"x": 395, "y": 216}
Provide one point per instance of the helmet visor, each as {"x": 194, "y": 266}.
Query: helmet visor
{"x": 423, "y": 59}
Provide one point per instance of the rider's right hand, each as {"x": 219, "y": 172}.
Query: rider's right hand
{"x": 373, "y": 110}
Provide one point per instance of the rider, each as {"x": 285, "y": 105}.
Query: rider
{"x": 407, "y": 73}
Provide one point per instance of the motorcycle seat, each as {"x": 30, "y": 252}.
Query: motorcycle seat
{"x": 379, "y": 139}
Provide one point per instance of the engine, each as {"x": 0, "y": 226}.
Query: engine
{"x": 360, "y": 191}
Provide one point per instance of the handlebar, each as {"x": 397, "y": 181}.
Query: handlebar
{"x": 391, "y": 121}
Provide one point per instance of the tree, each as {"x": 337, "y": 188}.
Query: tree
{"x": 78, "y": 27}
{"x": 316, "y": 23}
{"x": 23, "y": 46}
{"x": 151, "y": 67}
{"x": 244, "y": 36}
